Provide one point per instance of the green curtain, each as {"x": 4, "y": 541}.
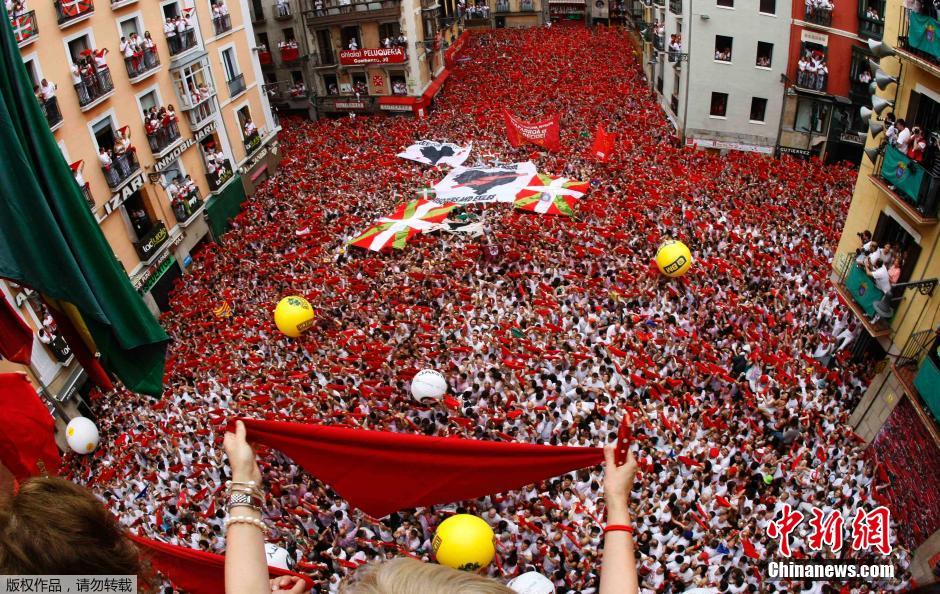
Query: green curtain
{"x": 50, "y": 241}
{"x": 902, "y": 173}
{"x": 224, "y": 206}
{"x": 863, "y": 289}
{"x": 924, "y": 34}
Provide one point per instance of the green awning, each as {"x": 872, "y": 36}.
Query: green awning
{"x": 225, "y": 206}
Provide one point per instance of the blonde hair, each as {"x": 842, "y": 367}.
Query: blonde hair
{"x": 404, "y": 575}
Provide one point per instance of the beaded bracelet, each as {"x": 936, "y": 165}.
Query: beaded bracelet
{"x": 246, "y": 520}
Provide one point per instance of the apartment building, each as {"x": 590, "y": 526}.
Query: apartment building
{"x": 284, "y": 54}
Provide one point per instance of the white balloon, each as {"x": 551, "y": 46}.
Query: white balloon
{"x": 277, "y": 556}
{"x": 532, "y": 583}
{"x": 428, "y": 383}
{"x": 81, "y": 435}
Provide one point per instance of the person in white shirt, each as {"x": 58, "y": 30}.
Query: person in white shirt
{"x": 904, "y": 135}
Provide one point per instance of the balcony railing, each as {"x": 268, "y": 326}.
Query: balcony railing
{"x": 871, "y": 28}
{"x": 659, "y": 42}
{"x": 859, "y": 92}
{"x": 86, "y": 192}
{"x": 222, "y": 23}
{"x": 95, "y": 83}
{"x": 675, "y": 6}
{"x": 222, "y": 174}
{"x": 71, "y": 10}
{"x": 252, "y": 142}
{"x": 290, "y": 54}
{"x": 182, "y": 41}
{"x": 236, "y": 86}
{"x": 139, "y": 65}
{"x": 812, "y": 81}
{"x": 282, "y": 11}
{"x": 865, "y": 294}
{"x": 122, "y": 167}
{"x": 25, "y": 28}
{"x": 917, "y": 35}
{"x": 358, "y": 7}
{"x": 50, "y": 109}
{"x": 502, "y": 7}
{"x": 200, "y": 112}
{"x": 184, "y": 207}
{"x": 163, "y": 137}
{"x": 910, "y": 183}
{"x": 265, "y": 58}
{"x": 818, "y": 16}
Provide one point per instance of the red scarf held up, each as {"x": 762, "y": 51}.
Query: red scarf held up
{"x": 381, "y": 472}
{"x": 192, "y": 570}
{"x": 27, "y": 431}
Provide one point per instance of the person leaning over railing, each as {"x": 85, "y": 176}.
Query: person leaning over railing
{"x": 246, "y": 568}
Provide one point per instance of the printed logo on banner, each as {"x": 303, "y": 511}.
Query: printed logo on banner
{"x": 484, "y": 184}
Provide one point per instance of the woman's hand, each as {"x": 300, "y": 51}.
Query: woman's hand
{"x": 241, "y": 457}
{"x": 618, "y": 480}
{"x": 288, "y": 584}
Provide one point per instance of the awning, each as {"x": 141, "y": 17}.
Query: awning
{"x": 435, "y": 85}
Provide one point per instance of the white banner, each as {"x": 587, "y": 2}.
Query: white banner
{"x": 499, "y": 183}
{"x": 437, "y": 153}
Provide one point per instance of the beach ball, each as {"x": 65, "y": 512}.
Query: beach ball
{"x": 293, "y": 315}
{"x": 464, "y": 542}
{"x": 428, "y": 383}
{"x": 277, "y": 556}
{"x": 673, "y": 258}
{"x": 82, "y": 435}
{"x": 531, "y": 582}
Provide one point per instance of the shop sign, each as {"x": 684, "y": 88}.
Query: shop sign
{"x": 173, "y": 156}
{"x": 120, "y": 197}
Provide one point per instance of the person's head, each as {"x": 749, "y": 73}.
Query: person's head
{"x": 901, "y": 123}
{"x": 53, "y": 526}
{"x": 404, "y": 575}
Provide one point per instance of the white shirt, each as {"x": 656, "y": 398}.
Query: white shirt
{"x": 904, "y": 137}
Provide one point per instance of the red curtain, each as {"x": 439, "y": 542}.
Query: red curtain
{"x": 27, "y": 431}
{"x": 192, "y": 570}
{"x": 16, "y": 338}
{"x": 381, "y": 472}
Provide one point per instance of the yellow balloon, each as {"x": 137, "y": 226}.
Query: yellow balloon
{"x": 673, "y": 258}
{"x": 464, "y": 542}
{"x": 293, "y": 315}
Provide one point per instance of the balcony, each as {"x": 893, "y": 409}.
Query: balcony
{"x": 163, "y": 137}
{"x": 50, "y": 109}
{"x": 95, "y": 86}
{"x": 675, "y": 6}
{"x": 870, "y": 28}
{"x": 265, "y": 58}
{"x": 355, "y": 11}
{"x": 222, "y": 174}
{"x": 526, "y": 6}
{"x": 25, "y": 28}
{"x": 917, "y": 40}
{"x": 659, "y": 41}
{"x": 919, "y": 372}
{"x": 184, "y": 207}
{"x": 282, "y": 11}
{"x": 818, "y": 16}
{"x": 141, "y": 66}
{"x": 812, "y": 81}
{"x": 290, "y": 53}
{"x": 909, "y": 185}
{"x": 236, "y": 86}
{"x": 69, "y": 12}
{"x": 222, "y": 23}
{"x": 182, "y": 41}
{"x": 122, "y": 167}
{"x": 86, "y": 192}
{"x": 502, "y": 7}
{"x": 201, "y": 112}
{"x": 861, "y": 295}
{"x": 121, "y": 3}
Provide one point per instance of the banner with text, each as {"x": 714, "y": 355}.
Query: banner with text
{"x": 499, "y": 183}
{"x": 391, "y": 55}
{"x": 546, "y": 133}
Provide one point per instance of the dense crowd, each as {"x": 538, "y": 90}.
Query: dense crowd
{"x": 549, "y": 330}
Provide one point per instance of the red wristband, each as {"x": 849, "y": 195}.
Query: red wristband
{"x": 618, "y": 528}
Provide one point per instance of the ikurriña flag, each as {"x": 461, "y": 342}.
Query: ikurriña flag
{"x": 544, "y": 133}
{"x": 603, "y": 146}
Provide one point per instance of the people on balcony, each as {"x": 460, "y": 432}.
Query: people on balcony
{"x": 480, "y": 10}
{"x": 872, "y": 14}
{"x": 298, "y": 89}
{"x": 819, "y": 10}
{"x": 162, "y": 126}
{"x": 180, "y": 32}
{"x": 91, "y": 75}
{"x": 353, "y": 44}
{"x": 140, "y": 53}
{"x": 675, "y": 47}
{"x": 220, "y": 17}
{"x": 184, "y": 197}
{"x": 812, "y": 71}
{"x": 45, "y": 94}
{"x": 283, "y": 8}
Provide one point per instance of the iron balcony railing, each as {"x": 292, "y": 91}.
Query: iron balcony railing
{"x": 71, "y": 10}
{"x": 181, "y": 41}
{"x": 222, "y": 23}
{"x": 25, "y": 27}
{"x": 95, "y": 83}
{"x": 818, "y": 15}
{"x": 184, "y": 207}
{"x": 236, "y": 86}
{"x": 911, "y": 182}
{"x": 139, "y": 65}
{"x": 163, "y": 137}
{"x": 122, "y": 167}
{"x": 50, "y": 109}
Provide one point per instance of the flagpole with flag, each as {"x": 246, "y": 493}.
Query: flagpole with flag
{"x": 50, "y": 242}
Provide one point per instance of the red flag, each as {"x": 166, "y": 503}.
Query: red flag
{"x": 76, "y": 343}
{"x": 603, "y": 146}
{"x": 414, "y": 470}
{"x": 16, "y": 338}
{"x": 27, "y": 431}
{"x": 545, "y": 133}
{"x": 192, "y": 570}
{"x": 749, "y": 549}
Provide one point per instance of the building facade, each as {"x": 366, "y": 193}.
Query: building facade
{"x": 828, "y": 78}
{"x": 896, "y": 200}
{"x": 158, "y": 108}
{"x": 284, "y": 54}
{"x": 716, "y": 69}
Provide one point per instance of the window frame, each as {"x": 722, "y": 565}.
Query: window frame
{"x": 711, "y": 107}
{"x": 731, "y": 48}
{"x": 750, "y": 116}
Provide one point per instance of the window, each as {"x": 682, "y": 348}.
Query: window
{"x": 149, "y": 100}
{"x": 725, "y": 3}
{"x": 136, "y": 209}
{"x": 812, "y": 67}
{"x": 399, "y": 84}
{"x": 104, "y": 133}
{"x": 860, "y": 74}
{"x": 296, "y": 76}
{"x": 32, "y": 71}
{"x": 263, "y": 41}
{"x": 723, "y": 48}
{"x": 171, "y": 11}
{"x": 350, "y": 34}
{"x": 288, "y": 34}
{"x": 765, "y": 54}
{"x": 923, "y": 111}
{"x": 811, "y": 116}
{"x": 325, "y": 46}
{"x": 129, "y": 27}
{"x": 719, "y": 108}
{"x": 389, "y": 31}
{"x": 768, "y": 6}
{"x": 79, "y": 45}
{"x": 758, "y": 109}
{"x": 229, "y": 64}
{"x": 360, "y": 83}
{"x": 330, "y": 84}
